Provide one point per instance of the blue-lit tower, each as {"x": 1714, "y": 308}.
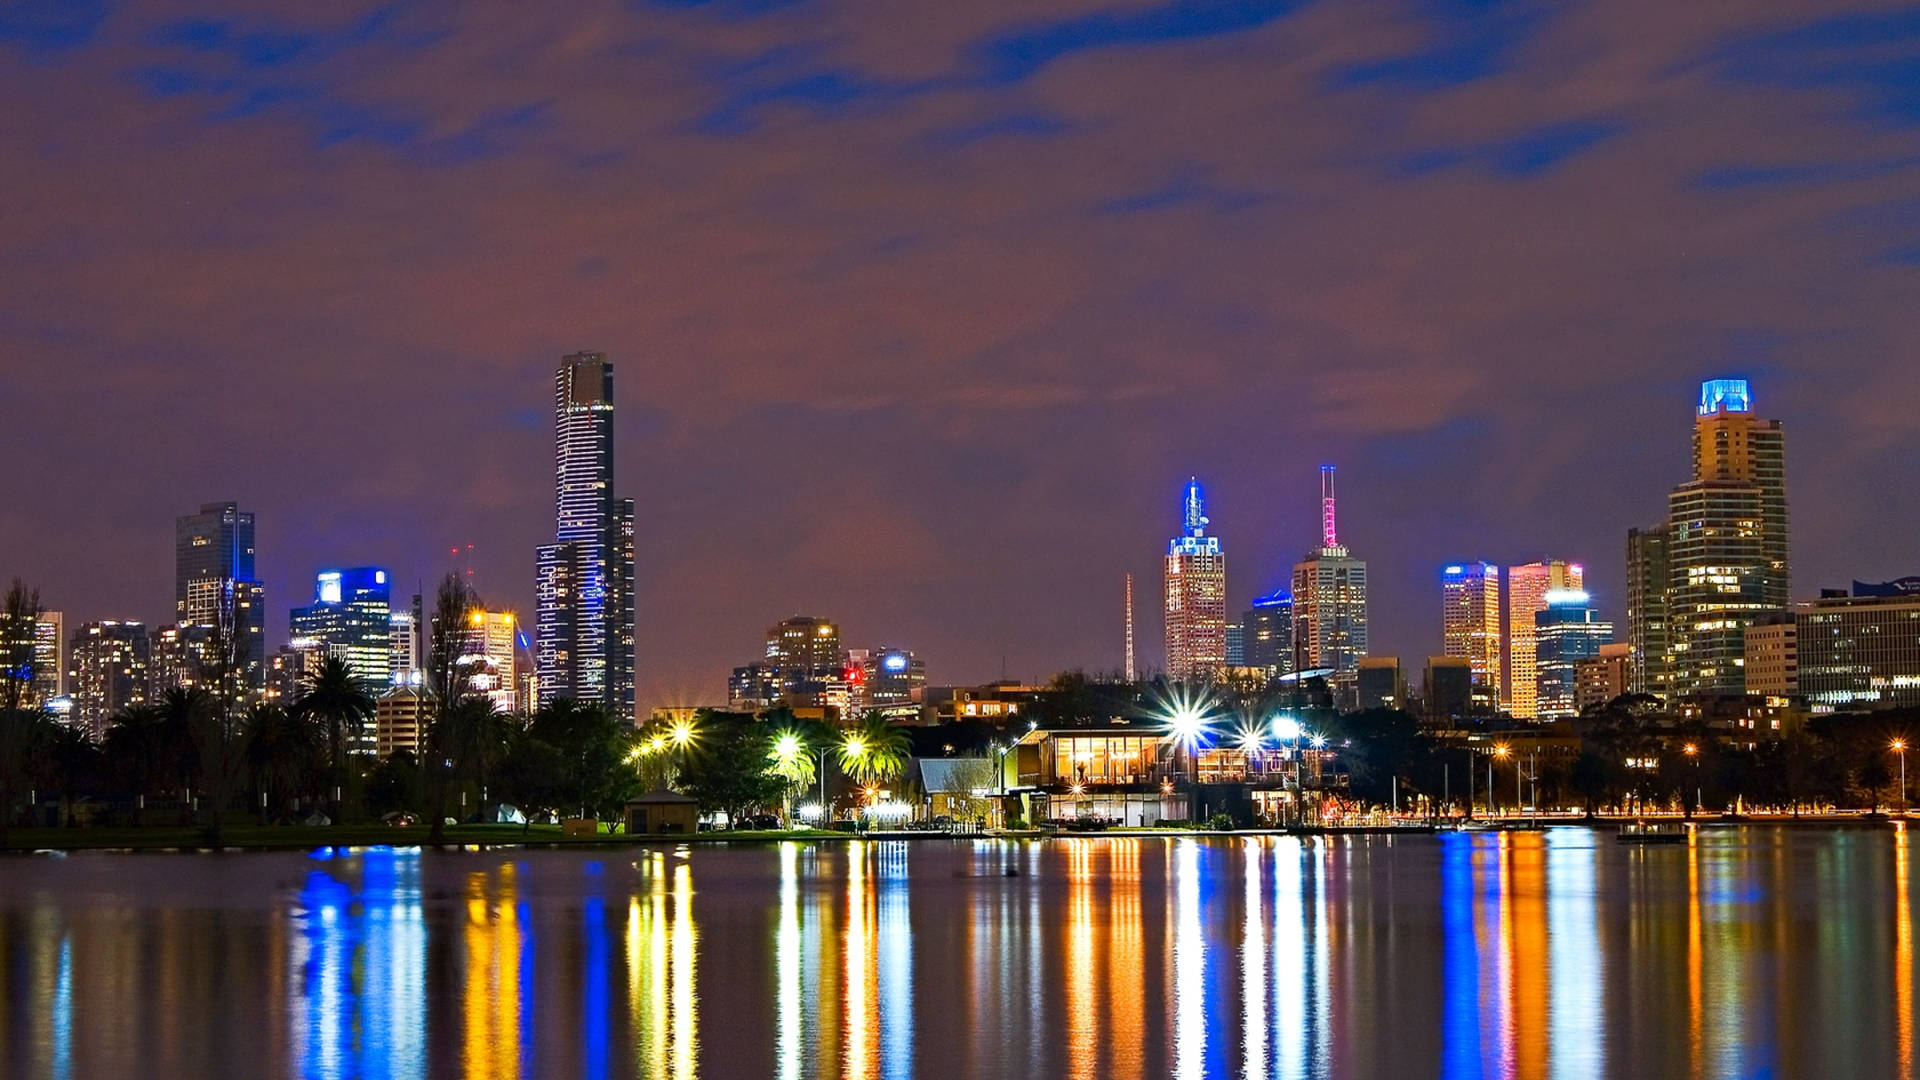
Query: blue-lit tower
{"x": 1196, "y": 576}
{"x": 1568, "y": 631}
{"x": 585, "y": 618}
{"x": 351, "y": 617}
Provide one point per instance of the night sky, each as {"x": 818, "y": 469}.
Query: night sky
{"x": 922, "y": 312}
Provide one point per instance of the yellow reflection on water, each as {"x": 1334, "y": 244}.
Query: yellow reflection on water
{"x": 1696, "y": 1047}
{"x": 1083, "y": 1059}
{"x": 492, "y": 1000}
{"x": 1127, "y": 960}
{"x": 786, "y": 950}
{"x": 662, "y": 1000}
{"x": 1902, "y": 949}
{"x": 861, "y": 1055}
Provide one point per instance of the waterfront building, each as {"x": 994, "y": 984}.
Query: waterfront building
{"x": 1727, "y": 540}
{"x": 1380, "y": 683}
{"x": 1527, "y": 589}
{"x": 998, "y": 703}
{"x": 1329, "y": 597}
{"x": 1567, "y": 631}
{"x": 352, "y": 614}
{"x": 215, "y": 585}
{"x": 1470, "y": 618}
{"x": 1649, "y": 584}
{"x": 585, "y": 620}
{"x": 1267, "y": 633}
{"x": 1196, "y": 593}
{"x": 107, "y": 673}
{"x": 1859, "y": 652}
{"x": 1602, "y": 678}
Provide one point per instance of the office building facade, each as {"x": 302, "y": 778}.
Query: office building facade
{"x": 1567, "y": 632}
{"x": 1266, "y": 633}
{"x": 215, "y": 587}
{"x": 1196, "y": 593}
{"x": 1470, "y": 618}
{"x": 107, "y": 673}
{"x": 352, "y": 614}
{"x": 1649, "y": 583}
{"x": 1527, "y": 589}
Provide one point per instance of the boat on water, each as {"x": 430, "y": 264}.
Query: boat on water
{"x": 1652, "y": 832}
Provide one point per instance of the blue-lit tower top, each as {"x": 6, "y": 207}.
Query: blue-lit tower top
{"x": 1194, "y": 539}
{"x": 1724, "y": 395}
{"x": 1276, "y": 598}
{"x": 346, "y": 586}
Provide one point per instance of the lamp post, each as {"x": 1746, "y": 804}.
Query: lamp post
{"x": 1693, "y": 752}
{"x": 1899, "y": 746}
{"x": 1499, "y": 751}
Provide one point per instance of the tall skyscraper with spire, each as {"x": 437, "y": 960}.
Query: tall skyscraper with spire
{"x": 585, "y": 617}
{"x": 214, "y": 586}
{"x": 1329, "y": 596}
{"x": 1727, "y": 550}
{"x": 1470, "y": 619}
{"x": 1196, "y": 593}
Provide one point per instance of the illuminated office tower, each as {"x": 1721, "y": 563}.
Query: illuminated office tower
{"x": 1527, "y": 589}
{"x": 404, "y": 665}
{"x": 1727, "y": 548}
{"x": 1470, "y": 599}
{"x": 1566, "y": 632}
{"x": 1196, "y": 575}
{"x": 352, "y": 616}
{"x": 584, "y": 623}
{"x": 1329, "y": 597}
{"x": 1649, "y": 583}
{"x": 108, "y": 673}
{"x": 214, "y": 584}
{"x": 40, "y": 648}
{"x": 893, "y": 677}
{"x": 1266, "y": 633}
{"x": 486, "y": 657}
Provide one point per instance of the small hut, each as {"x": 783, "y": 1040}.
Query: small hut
{"x": 662, "y": 811}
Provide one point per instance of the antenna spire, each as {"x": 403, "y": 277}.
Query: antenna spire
{"x": 1130, "y": 675}
{"x": 1196, "y": 508}
{"x": 1329, "y": 534}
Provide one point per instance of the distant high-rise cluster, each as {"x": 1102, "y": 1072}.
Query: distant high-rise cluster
{"x": 805, "y": 667}
{"x": 585, "y": 622}
{"x": 1196, "y": 593}
{"x": 1528, "y": 590}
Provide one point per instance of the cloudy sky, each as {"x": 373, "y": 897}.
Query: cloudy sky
{"x": 923, "y": 312}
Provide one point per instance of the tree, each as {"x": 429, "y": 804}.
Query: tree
{"x": 62, "y": 760}
{"x": 593, "y": 747}
{"x": 454, "y": 603}
{"x": 332, "y": 696}
{"x": 175, "y": 734}
{"x": 727, "y": 769}
{"x": 875, "y": 752}
{"x": 395, "y": 784}
{"x": 532, "y": 777}
{"x": 283, "y": 750}
{"x": 17, "y": 619}
{"x": 1593, "y": 778}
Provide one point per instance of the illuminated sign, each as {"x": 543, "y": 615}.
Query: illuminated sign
{"x": 1729, "y": 395}
{"x": 895, "y": 662}
{"x": 1456, "y": 571}
{"x": 330, "y": 587}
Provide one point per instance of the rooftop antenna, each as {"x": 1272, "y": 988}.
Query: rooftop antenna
{"x": 1130, "y": 673}
{"x": 1329, "y": 535}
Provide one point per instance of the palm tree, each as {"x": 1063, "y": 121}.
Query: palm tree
{"x": 333, "y": 697}
{"x": 179, "y": 712}
{"x": 281, "y": 748}
{"x": 875, "y": 751}
{"x": 134, "y": 748}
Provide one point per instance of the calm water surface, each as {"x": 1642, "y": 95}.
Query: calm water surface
{"x": 1752, "y": 952}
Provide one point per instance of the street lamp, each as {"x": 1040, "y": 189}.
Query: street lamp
{"x": 1500, "y": 751}
{"x": 1694, "y": 753}
{"x": 1899, "y": 746}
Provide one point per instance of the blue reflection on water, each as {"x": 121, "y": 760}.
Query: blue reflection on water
{"x": 1460, "y": 1002}
{"x": 896, "y": 964}
{"x": 594, "y": 1023}
{"x": 360, "y": 960}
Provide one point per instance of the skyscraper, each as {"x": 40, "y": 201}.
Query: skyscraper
{"x": 584, "y": 624}
{"x": 1470, "y": 618}
{"x": 1196, "y": 574}
{"x": 485, "y": 658}
{"x": 1567, "y": 631}
{"x": 1649, "y": 583}
{"x": 1267, "y": 633}
{"x": 1329, "y": 597}
{"x": 1527, "y": 589}
{"x": 214, "y": 584}
{"x": 352, "y": 616}
{"x": 1726, "y": 540}
{"x": 108, "y": 673}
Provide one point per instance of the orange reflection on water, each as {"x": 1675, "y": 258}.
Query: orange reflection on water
{"x": 492, "y": 1000}
{"x": 1902, "y": 949}
{"x": 861, "y": 1056}
{"x": 1525, "y": 903}
{"x": 1696, "y": 1038}
{"x": 1083, "y": 1059}
{"x": 662, "y": 1002}
{"x": 1128, "y": 960}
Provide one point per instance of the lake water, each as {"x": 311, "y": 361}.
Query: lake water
{"x": 1750, "y": 952}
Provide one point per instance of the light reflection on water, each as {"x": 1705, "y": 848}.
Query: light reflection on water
{"x": 1560, "y": 955}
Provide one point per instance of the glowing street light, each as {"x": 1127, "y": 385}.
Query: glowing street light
{"x": 1899, "y": 746}
{"x": 1286, "y": 728}
{"x": 1693, "y": 752}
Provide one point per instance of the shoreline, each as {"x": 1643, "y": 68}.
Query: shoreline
{"x": 191, "y": 839}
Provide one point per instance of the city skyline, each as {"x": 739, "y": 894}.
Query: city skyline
{"x": 863, "y": 296}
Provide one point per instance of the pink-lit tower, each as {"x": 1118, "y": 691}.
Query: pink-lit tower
{"x": 1330, "y": 596}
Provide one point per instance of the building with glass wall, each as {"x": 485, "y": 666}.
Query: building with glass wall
{"x": 1527, "y": 589}
{"x": 1470, "y": 618}
{"x": 1567, "y": 632}
{"x": 352, "y": 614}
